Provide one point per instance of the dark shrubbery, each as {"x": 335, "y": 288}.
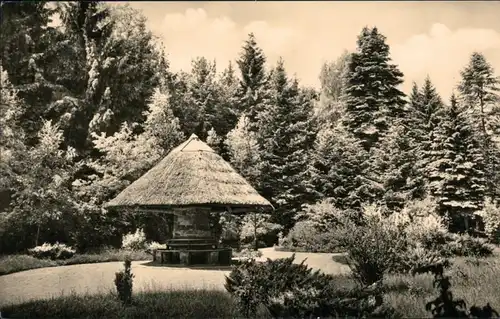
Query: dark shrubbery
{"x": 292, "y": 290}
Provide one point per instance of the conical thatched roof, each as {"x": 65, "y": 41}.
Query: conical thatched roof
{"x": 192, "y": 174}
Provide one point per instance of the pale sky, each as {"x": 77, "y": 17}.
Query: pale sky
{"x": 434, "y": 38}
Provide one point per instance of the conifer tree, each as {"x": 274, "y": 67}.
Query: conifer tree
{"x": 396, "y": 159}
{"x": 252, "y": 90}
{"x": 204, "y": 93}
{"x": 456, "y": 170}
{"x": 479, "y": 90}
{"x": 227, "y": 108}
{"x": 403, "y": 154}
{"x": 336, "y": 169}
{"x": 25, "y": 41}
{"x": 373, "y": 100}
{"x": 286, "y": 135}
{"x": 425, "y": 113}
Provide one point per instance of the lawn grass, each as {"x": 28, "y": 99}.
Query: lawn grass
{"x": 474, "y": 280}
{"x": 166, "y": 304}
{"x": 15, "y": 263}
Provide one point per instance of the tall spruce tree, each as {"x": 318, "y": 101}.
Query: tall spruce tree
{"x": 403, "y": 154}
{"x": 456, "y": 170}
{"x": 252, "y": 90}
{"x": 227, "y": 108}
{"x": 25, "y": 42}
{"x": 479, "y": 90}
{"x": 425, "y": 113}
{"x": 204, "y": 92}
{"x": 286, "y": 135}
{"x": 373, "y": 100}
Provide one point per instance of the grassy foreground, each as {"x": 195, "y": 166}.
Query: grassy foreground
{"x": 15, "y": 263}
{"x": 168, "y": 304}
{"x": 476, "y": 281}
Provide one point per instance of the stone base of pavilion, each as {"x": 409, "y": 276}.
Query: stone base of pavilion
{"x": 193, "y": 251}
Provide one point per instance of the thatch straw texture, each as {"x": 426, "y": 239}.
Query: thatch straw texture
{"x": 192, "y": 174}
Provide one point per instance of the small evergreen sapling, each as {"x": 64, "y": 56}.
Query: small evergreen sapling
{"x": 123, "y": 283}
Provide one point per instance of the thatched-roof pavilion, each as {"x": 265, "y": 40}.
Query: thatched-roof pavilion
{"x": 190, "y": 182}
{"x": 192, "y": 174}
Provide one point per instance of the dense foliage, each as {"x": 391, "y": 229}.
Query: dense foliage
{"x": 89, "y": 105}
{"x": 291, "y": 290}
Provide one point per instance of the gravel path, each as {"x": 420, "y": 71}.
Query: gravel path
{"x": 98, "y": 278}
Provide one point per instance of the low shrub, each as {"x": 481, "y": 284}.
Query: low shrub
{"x": 124, "y": 282}
{"x": 467, "y": 246}
{"x": 420, "y": 221}
{"x": 134, "y": 241}
{"x": 289, "y": 290}
{"x": 373, "y": 249}
{"x": 304, "y": 236}
{"x": 260, "y": 225}
{"x": 490, "y": 215}
{"x": 396, "y": 243}
{"x": 417, "y": 256}
{"x": 323, "y": 215}
{"x": 55, "y": 251}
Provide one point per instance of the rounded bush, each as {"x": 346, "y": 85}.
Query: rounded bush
{"x": 55, "y": 251}
{"x": 134, "y": 241}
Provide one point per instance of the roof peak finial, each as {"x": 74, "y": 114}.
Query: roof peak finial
{"x": 194, "y": 136}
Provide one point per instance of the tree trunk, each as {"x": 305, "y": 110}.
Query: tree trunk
{"x": 256, "y": 244}
{"x": 37, "y": 234}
